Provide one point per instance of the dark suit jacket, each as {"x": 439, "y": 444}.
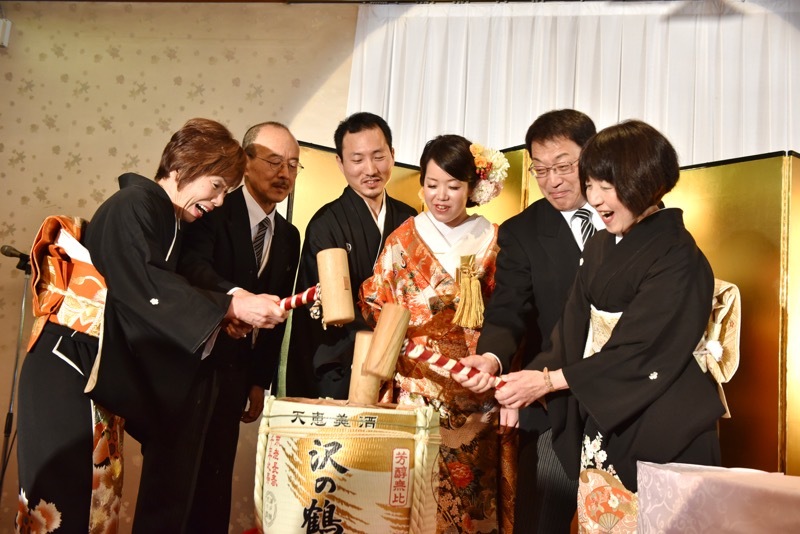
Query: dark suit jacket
{"x": 218, "y": 254}
{"x": 536, "y": 266}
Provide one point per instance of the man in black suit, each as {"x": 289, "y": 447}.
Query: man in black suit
{"x": 243, "y": 244}
{"x": 540, "y": 250}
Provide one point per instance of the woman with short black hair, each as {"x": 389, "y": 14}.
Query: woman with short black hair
{"x": 623, "y": 383}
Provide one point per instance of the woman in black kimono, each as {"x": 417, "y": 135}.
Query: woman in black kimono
{"x": 624, "y": 384}
{"x": 119, "y": 336}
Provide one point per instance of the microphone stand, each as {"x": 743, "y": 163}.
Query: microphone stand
{"x": 25, "y": 266}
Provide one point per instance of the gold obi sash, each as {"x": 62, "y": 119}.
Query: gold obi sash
{"x": 66, "y": 291}
{"x": 717, "y": 352}
{"x": 601, "y": 324}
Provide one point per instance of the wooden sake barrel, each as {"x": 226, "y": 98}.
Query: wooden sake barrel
{"x": 329, "y": 466}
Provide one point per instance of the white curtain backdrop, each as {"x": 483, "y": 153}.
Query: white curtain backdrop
{"x": 720, "y": 79}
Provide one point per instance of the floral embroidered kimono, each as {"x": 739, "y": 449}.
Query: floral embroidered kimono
{"x": 418, "y": 269}
{"x": 63, "y": 435}
{"x": 636, "y": 392}
{"x": 151, "y": 374}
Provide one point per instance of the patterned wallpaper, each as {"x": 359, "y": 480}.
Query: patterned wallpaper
{"x": 90, "y": 90}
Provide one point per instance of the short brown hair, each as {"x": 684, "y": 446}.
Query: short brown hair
{"x": 636, "y": 159}
{"x": 452, "y": 154}
{"x": 202, "y": 147}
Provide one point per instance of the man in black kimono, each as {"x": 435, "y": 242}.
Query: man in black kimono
{"x": 220, "y": 253}
{"x": 539, "y": 255}
{"x": 358, "y": 221}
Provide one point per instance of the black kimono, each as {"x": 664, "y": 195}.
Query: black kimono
{"x": 155, "y": 324}
{"x": 319, "y": 360}
{"x": 643, "y": 393}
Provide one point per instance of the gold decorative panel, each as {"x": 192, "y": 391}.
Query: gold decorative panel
{"x": 513, "y": 198}
{"x": 790, "y": 331}
{"x": 321, "y": 182}
{"x": 738, "y": 212}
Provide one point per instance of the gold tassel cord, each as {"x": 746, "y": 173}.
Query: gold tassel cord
{"x": 469, "y": 313}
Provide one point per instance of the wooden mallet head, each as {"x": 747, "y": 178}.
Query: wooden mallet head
{"x": 387, "y": 341}
{"x": 364, "y": 389}
{"x": 336, "y": 292}
{"x": 375, "y": 354}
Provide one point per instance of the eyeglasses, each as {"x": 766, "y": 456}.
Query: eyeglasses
{"x": 276, "y": 165}
{"x": 558, "y": 168}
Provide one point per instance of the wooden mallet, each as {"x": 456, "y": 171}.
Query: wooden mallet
{"x": 333, "y": 291}
{"x": 376, "y": 353}
{"x": 364, "y": 389}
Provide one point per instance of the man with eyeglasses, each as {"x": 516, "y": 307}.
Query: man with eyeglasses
{"x": 245, "y": 244}
{"x": 358, "y": 221}
{"x": 540, "y": 251}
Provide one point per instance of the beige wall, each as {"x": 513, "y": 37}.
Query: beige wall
{"x": 90, "y": 90}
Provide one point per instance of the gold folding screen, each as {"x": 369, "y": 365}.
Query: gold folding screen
{"x": 740, "y": 212}
{"x": 737, "y": 211}
{"x": 790, "y": 314}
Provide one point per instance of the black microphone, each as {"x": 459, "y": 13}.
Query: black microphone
{"x": 11, "y": 252}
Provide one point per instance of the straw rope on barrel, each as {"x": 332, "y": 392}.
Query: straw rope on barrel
{"x": 341, "y": 463}
{"x": 423, "y": 507}
{"x": 261, "y": 449}
{"x": 420, "y": 352}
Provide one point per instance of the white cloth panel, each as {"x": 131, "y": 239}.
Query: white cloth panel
{"x": 716, "y": 77}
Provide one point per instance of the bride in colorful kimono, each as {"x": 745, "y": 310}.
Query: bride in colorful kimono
{"x": 623, "y": 383}
{"x": 440, "y": 265}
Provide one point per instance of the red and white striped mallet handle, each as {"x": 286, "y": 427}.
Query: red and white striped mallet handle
{"x": 309, "y": 295}
{"x": 419, "y": 352}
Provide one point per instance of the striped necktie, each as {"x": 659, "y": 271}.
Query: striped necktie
{"x": 587, "y": 228}
{"x": 258, "y": 240}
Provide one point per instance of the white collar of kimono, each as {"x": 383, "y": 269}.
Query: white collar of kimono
{"x": 255, "y": 212}
{"x": 380, "y": 220}
{"x": 448, "y": 244}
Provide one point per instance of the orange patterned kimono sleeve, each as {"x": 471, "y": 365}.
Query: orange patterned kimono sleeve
{"x": 382, "y": 286}
{"x": 65, "y": 291}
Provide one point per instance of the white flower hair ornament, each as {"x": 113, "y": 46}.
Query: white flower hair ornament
{"x": 492, "y": 167}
